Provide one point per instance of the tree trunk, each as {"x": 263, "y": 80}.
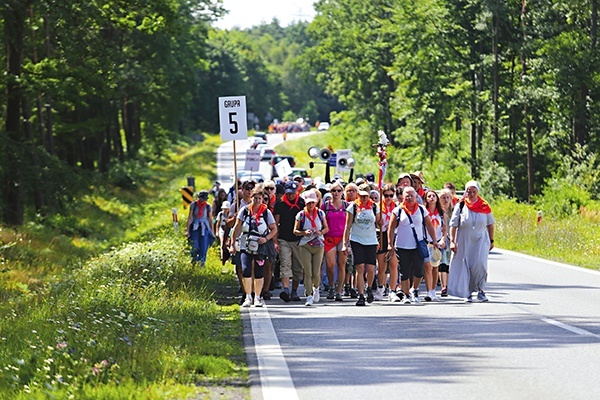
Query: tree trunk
{"x": 495, "y": 83}
{"x": 14, "y": 31}
{"x": 529, "y": 138}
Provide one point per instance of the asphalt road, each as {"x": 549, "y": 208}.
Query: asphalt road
{"x": 537, "y": 338}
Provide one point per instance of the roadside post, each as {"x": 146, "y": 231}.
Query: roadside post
{"x": 234, "y": 126}
{"x": 175, "y": 220}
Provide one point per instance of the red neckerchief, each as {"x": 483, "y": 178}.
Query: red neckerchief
{"x": 410, "y": 212}
{"x": 387, "y": 212}
{"x": 434, "y": 221}
{"x": 363, "y": 206}
{"x": 201, "y": 207}
{"x": 257, "y": 214}
{"x": 290, "y": 205}
{"x": 421, "y": 192}
{"x": 312, "y": 218}
{"x": 479, "y": 206}
{"x": 272, "y": 201}
{"x": 455, "y": 199}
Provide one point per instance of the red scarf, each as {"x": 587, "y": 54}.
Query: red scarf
{"x": 434, "y": 221}
{"x": 312, "y": 218}
{"x": 387, "y": 212}
{"x": 284, "y": 198}
{"x": 257, "y": 214}
{"x": 200, "y": 206}
{"x": 363, "y": 206}
{"x": 421, "y": 192}
{"x": 479, "y": 206}
{"x": 410, "y": 212}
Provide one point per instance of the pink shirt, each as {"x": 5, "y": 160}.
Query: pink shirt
{"x": 336, "y": 219}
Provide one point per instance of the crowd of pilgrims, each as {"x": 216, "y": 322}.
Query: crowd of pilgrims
{"x": 352, "y": 240}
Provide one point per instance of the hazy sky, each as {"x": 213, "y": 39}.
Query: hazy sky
{"x": 247, "y": 13}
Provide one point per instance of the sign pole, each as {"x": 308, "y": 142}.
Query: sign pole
{"x": 235, "y": 177}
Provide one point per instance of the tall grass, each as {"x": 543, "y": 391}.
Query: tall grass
{"x": 105, "y": 302}
{"x": 574, "y": 240}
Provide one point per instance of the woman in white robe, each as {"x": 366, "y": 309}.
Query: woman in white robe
{"x": 471, "y": 239}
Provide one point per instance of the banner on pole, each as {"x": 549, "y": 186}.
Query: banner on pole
{"x": 232, "y": 118}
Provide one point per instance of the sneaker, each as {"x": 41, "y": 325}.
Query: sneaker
{"x": 346, "y": 290}
{"x": 370, "y": 296}
{"x": 309, "y": 301}
{"x": 258, "y": 302}
{"x": 361, "y": 300}
{"x": 406, "y": 299}
{"x": 444, "y": 292}
{"x": 469, "y": 299}
{"x": 247, "y": 302}
{"x": 481, "y": 296}
{"x": 378, "y": 295}
{"x": 331, "y": 294}
{"x": 434, "y": 296}
{"x": 295, "y": 296}
{"x": 414, "y": 295}
{"x": 393, "y": 297}
{"x": 285, "y": 296}
{"x": 316, "y": 295}
{"x": 267, "y": 295}
{"x": 427, "y": 297}
{"x": 353, "y": 293}
{"x": 338, "y": 297}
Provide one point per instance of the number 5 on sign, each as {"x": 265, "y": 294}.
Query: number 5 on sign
{"x": 232, "y": 116}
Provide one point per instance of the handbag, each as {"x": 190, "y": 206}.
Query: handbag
{"x": 421, "y": 244}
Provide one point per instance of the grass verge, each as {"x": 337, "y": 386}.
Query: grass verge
{"x": 120, "y": 312}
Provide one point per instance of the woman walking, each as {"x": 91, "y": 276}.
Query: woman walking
{"x": 436, "y": 215}
{"x": 335, "y": 214}
{"x": 386, "y": 259}
{"x": 199, "y": 227}
{"x": 360, "y": 234}
{"x": 446, "y": 201}
{"x": 311, "y": 225}
{"x": 255, "y": 226}
{"x": 471, "y": 239}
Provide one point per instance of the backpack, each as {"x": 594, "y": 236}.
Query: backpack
{"x": 320, "y": 213}
{"x": 328, "y": 203}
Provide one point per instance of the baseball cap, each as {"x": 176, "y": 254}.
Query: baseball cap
{"x": 291, "y": 187}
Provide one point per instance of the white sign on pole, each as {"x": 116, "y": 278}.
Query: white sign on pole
{"x": 232, "y": 116}
{"x": 252, "y": 160}
{"x": 343, "y": 156}
{"x": 283, "y": 168}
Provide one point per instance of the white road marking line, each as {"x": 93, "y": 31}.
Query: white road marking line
{"x": 555, "y": 263}
{"x": 570, "y": 328}
{"x": 275, "y": 379}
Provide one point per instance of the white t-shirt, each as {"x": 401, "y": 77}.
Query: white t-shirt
{"x": 404, "y": 234}
{"x": 363, "y": 227}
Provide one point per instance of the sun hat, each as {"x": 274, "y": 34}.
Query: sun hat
{"x": 291, "y": 187}
{"x": 405, "y": 175}
{"x": 418, "y": 175}
{"x": 436, "y": 255}
{"x": 225, "y": 204}
{"x": 310, "y": 196}
{"x": 472, "y": 183}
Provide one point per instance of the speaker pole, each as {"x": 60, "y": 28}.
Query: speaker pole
{"x": 351, "y": 177}
{"x": 327, "y": 174}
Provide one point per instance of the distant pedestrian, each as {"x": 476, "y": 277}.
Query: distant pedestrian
{"x": 471, "y": 239}
{"x": 199, "y": 228}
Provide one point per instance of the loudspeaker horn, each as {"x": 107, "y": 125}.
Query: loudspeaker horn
{"x": 314, "y": 152}
{"x": 350, "y": 162}
{"x": 342, "y": 162}
{"x": 325, "y": 154}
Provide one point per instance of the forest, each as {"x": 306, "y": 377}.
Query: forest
{"x": 503, "y": 91}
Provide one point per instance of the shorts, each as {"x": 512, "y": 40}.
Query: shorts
{"x": 384, "y": 243}
{"x": 333, "y": 243}
{"x": 410, "y": 263}
{"x": 364, "y": 254}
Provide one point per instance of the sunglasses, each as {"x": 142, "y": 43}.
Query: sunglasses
{"x": 269, "y": 188}
{"x": 336, "y": 191}
{"x": 389, "y": 196}
{"x": 249, "y": 188}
